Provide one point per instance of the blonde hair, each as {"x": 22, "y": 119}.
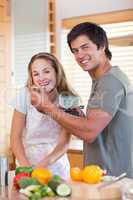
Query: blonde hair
{"x": 61, "y": 84}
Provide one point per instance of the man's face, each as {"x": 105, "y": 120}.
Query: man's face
{"x": 86, "y": 53}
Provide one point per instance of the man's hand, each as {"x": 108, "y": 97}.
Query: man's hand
{"x": 40, "y": 99}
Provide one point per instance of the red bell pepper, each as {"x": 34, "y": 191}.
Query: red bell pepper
{"x": 18, "y": 177}
{"x": 104, "y": 172}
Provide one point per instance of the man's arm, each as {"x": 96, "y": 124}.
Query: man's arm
{"x": 86, "y": 128}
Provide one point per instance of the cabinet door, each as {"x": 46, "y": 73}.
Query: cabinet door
{"x": 5, "y": 72}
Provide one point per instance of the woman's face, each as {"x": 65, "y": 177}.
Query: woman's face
{"x": 43, "y": 74}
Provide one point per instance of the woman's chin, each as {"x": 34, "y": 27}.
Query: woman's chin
{"x": 48, "y": 89}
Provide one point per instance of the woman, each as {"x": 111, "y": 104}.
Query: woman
{"x": 36, "y": 139}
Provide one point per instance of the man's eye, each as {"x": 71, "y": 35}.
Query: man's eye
{"x": 74, "y": 51}
{"x": 85, "y": 47}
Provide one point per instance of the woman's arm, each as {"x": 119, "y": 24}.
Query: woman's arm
{"x": 18, "y": 124}
{"x": 58, "y": 151}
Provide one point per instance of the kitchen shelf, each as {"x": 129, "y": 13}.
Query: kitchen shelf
{"x": 52, "y": 26}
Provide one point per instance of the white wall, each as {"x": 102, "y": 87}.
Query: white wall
{"x": 30, "y": 16}
{"x": 72, "y": 8}
{"x": 30, "y": 34}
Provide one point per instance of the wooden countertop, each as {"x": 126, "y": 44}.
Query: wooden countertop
{"x": 80, "y": 191}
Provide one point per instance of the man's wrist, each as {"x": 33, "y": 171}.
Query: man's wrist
{"x": 49, "y": 108}
{"x": 53, "y": 111}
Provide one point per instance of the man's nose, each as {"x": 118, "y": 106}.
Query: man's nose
{"x": 80, "y": 53}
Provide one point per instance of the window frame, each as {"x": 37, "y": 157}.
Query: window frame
{"x": 101, "y": 18}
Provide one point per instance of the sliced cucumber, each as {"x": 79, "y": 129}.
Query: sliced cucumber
{"x": 63, "y": 190}
{"x": 50, "y": 192}
{"x": 53, "y": 184}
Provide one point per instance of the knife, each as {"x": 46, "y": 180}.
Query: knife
{"x": 112, "y": 181}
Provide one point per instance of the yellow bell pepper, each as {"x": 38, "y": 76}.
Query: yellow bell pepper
{"x": 42, "y": 175}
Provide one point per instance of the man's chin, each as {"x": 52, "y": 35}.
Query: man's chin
{"x": 86, "y": 68}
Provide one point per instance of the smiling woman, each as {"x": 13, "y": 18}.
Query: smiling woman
{"x": 36, "y": 139}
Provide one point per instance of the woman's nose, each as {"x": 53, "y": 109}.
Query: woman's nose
{"x": 41, "y": 77}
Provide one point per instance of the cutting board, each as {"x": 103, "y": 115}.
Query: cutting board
{"x": 85, "y": 191}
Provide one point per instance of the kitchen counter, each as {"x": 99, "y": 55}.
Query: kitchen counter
{"x": 80, "y": 191}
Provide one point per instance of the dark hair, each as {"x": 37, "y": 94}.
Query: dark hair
{"x": 94, "y": 32}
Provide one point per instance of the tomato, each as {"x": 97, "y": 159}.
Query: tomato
{"x": 104, "y": 172}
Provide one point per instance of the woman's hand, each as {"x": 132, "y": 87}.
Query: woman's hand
{"x": 43, "y": 164}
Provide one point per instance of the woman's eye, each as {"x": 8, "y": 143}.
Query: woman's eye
{"x": 46, "y": 72}
{"x": 35, "y": 74}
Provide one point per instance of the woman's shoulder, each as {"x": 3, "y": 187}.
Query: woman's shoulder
{"x": 24, "y": 91}
{"x": 21, "y": 101}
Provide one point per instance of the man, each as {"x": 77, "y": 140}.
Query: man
{"x": 107, "y": 129}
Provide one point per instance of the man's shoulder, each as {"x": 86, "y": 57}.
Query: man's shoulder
{"x": 115, "y": 76}
{"x": 118, "y": 74}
